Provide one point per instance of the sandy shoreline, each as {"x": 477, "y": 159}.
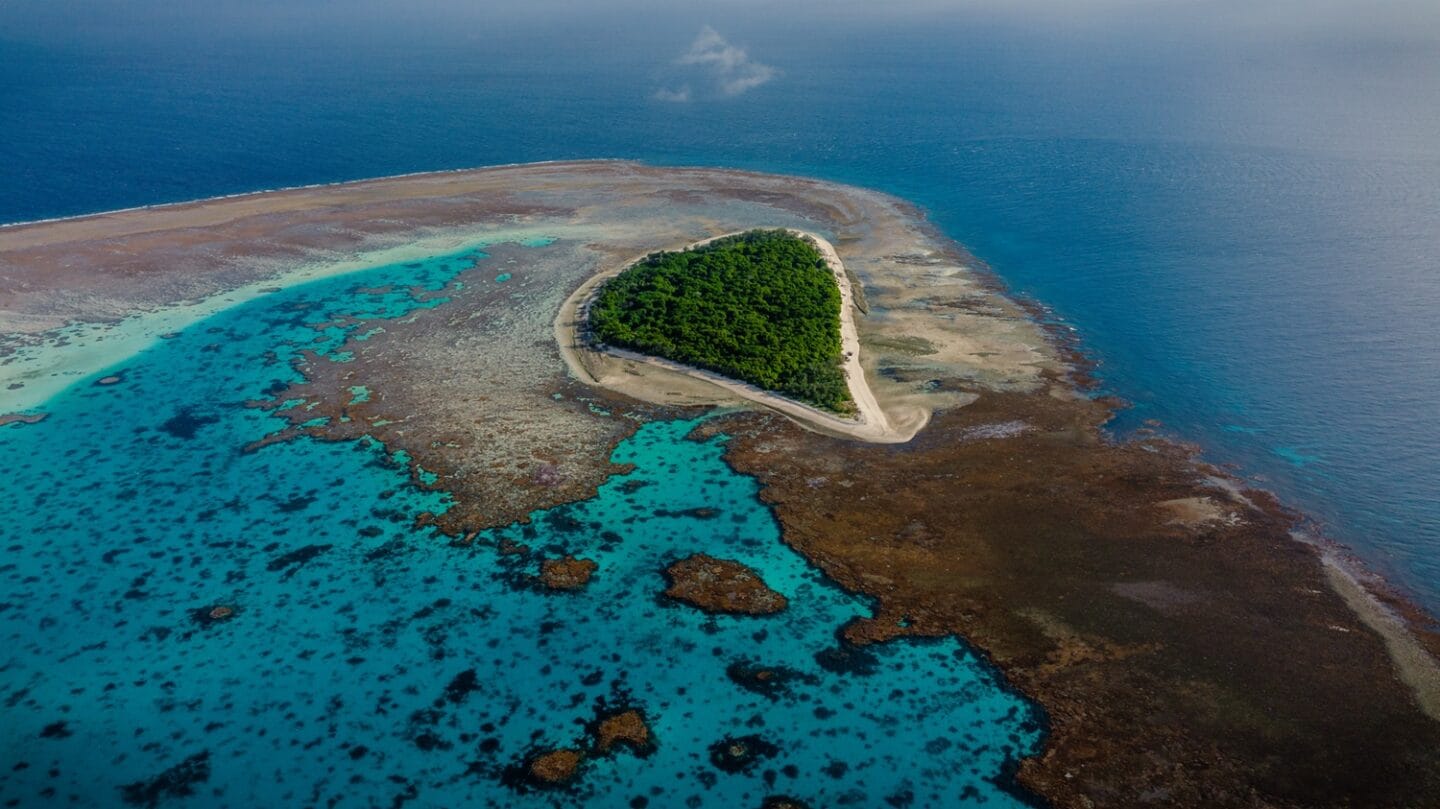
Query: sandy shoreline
{"x": 1413, "y": 664}
{"x": 871, "y": 424}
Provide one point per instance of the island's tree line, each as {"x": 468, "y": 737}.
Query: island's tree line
{"x": 760, "y": 306}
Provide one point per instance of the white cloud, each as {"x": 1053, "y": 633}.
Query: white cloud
{"x": 728, "y": 68}
{"x": 680, "y": 95}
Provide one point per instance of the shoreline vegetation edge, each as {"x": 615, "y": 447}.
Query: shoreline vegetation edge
{"x": 583, "y": 356}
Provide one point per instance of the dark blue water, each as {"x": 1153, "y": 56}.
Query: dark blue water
{"x": 355, "y": 660}
{"x": 1239, "y": 210}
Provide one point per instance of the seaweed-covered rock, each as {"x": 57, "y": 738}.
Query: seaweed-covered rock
{"x": 721, "y": 586}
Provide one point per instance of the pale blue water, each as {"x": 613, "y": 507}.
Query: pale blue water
{"x": 368, "y": 663}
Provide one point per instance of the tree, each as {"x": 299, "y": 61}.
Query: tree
{"x": 761, "y": 306}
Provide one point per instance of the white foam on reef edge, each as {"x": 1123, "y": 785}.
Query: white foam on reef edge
{"x": 82, "y": 350}
{"x": 1414, "y": 665}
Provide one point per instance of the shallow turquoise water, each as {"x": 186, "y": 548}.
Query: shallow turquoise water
{"x": 370, "y": 663}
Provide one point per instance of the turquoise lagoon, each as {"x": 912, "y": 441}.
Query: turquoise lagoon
{"x": 370, "y": 663}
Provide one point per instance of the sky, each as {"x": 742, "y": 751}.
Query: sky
{"x": 1394, "y": 20}
{"x": 1374, "y": 56}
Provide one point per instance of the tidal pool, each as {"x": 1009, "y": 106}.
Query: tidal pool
{"x": 187, "y": 624}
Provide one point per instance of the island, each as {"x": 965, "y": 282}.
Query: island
{"x": 760, "y": 306}
{"x": 1178, "y": 638}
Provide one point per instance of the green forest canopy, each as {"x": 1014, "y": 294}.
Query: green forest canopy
{"x": 760, "y": 306}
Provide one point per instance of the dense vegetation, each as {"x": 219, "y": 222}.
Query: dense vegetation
{"x": 761, "y": 307}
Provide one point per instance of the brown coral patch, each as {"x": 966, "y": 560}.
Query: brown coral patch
{"x": 1180, "y": 662}
{"x": 626, "y": 728}
{"x": 721, "y": 586}
{"x": 554, "y": 767}
{"x": 568, "y": 573}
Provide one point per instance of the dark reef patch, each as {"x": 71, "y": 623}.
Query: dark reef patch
{"x": 56, "y": 730}
{"x": 294, "y": 560}
{"x": 772, "y": 682}
{"x": 698, "y": 513}
{"x": 462, "y": 686}
{"x": 783, "y": 802}
{"x": 177, "y": 782}
{"x": 186, "y": 423}
{"x": 736, "y": 754}
{"x": 844, "y": 658}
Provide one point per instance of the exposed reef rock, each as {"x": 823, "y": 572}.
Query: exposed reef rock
{"x": 554, "y": 768}
{"x": 22, "y": 418}
{"x": 624, "y": 729}
{"x": 1196, "y": 662}
{"x": 721, "y": 586}
{"x": 568, "y": 573}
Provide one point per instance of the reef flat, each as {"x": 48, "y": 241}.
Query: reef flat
{"x": 1182, "y": 646}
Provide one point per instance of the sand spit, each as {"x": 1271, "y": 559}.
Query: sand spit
{"x": 1187, "y": 651}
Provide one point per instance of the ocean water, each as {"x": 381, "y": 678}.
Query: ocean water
{"x": 1237, "y": 210}
{"x": 360, "y": 661}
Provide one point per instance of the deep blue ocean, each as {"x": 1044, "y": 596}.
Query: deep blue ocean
{"x": 1238, "y": 212}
